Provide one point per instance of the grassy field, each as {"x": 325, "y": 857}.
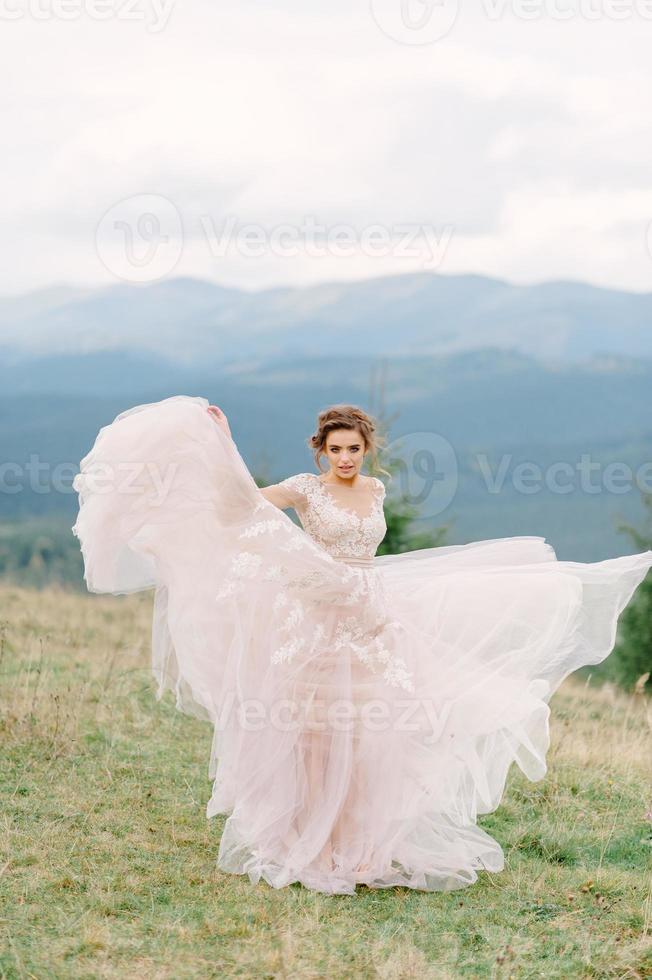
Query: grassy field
{"x": 108, "y": 864}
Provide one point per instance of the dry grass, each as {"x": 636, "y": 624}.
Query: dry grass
{"x": 108, "y": 861}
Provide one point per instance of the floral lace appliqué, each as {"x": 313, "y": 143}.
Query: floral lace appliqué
{"x": 338, "y": 530}
{"x": 305, "y": 588}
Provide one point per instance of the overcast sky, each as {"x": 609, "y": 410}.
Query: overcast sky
{"x": 468, "y": 139}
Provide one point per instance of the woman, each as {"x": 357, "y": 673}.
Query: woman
{"x": 366, "y": 709}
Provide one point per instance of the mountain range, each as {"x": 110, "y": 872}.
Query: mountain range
{"x": 192, "y": 322}
{"x": 541, "y": 373}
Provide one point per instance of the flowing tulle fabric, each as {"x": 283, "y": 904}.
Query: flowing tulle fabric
{"x": 363, "y": 716}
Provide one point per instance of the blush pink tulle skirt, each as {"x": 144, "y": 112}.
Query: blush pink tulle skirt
{"x": 363, "y": 716}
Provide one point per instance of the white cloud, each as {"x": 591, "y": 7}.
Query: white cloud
{"x": 530, "y": 138}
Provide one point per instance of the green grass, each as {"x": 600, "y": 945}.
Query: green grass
{"x": 108, "y": 864}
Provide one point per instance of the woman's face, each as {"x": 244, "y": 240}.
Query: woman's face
{"x": 345, "y": 450}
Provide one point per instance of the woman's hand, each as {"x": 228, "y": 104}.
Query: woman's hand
{"x": 218, "y": 416}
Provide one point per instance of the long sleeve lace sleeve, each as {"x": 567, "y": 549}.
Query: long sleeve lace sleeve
{"x": 287, "y": 493}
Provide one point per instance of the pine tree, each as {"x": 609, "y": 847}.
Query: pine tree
{"x": 631, "y": 659}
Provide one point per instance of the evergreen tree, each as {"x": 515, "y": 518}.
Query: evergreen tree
{"x": 631, "y": 659}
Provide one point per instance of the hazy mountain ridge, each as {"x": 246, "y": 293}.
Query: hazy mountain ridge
{"x": 492, "y": 368}
{"x": 192, "y": 321}
{"x": 485, "y": 403}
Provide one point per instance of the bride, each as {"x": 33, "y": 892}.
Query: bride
{"x": 366, "y": 709}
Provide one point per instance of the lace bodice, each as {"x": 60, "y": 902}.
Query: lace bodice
{"x": 345, "y": 532}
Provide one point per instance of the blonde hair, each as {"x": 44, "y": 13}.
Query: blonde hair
{"x": 347, "y": 417}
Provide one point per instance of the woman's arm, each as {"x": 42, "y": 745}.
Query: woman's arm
{"x": 280, "y": 495}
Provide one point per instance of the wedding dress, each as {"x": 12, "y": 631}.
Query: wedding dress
{"x": 366, "y": 709}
